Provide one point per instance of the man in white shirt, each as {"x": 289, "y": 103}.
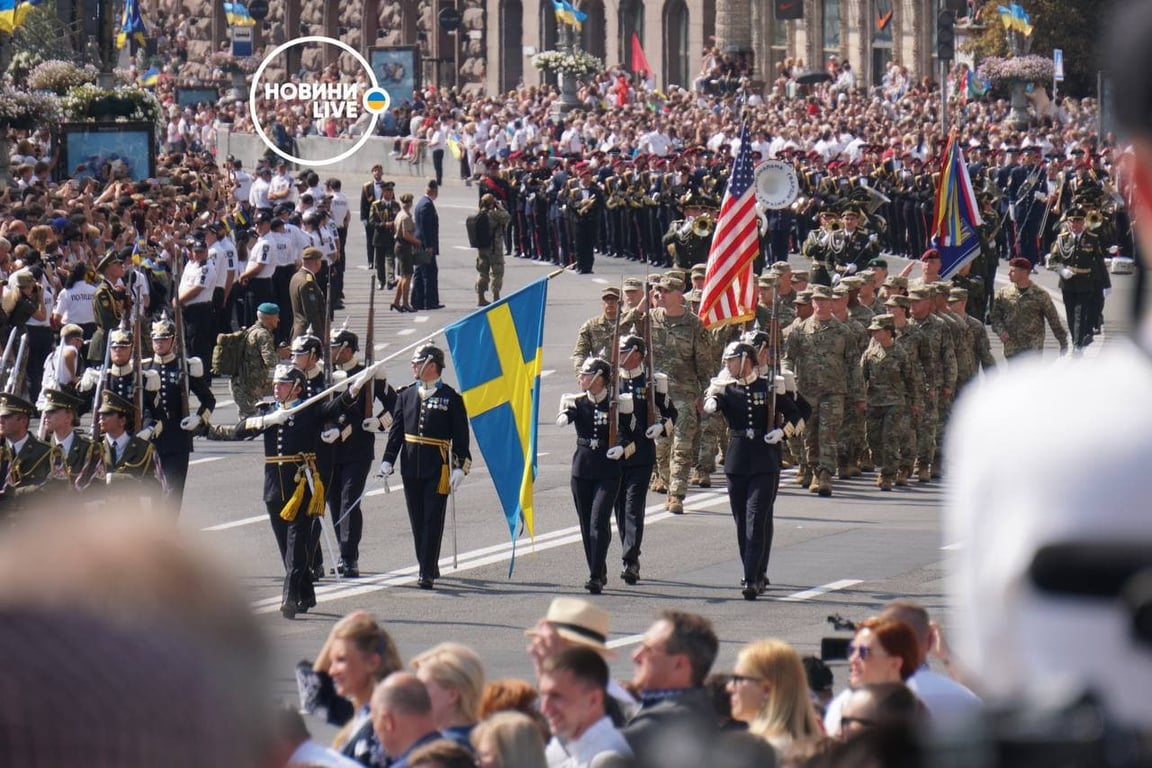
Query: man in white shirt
{"x": 282, "y": 189}
{"x": 258, "y": 195}
{"x": 197, "y": 283}
{"x": 222, "y": 257}
{"x": 573, "y": 688}
{"x": 243, "y": 181}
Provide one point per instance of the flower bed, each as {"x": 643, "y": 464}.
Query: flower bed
{"x": 575, "y": 64}
{"x": 1016, "y": 69}
{"x": 24, "y": 109}
{"x": 88, "y": 102}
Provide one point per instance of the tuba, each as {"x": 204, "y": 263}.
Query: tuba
{"x": 703, "y": 226}
{"x": 1094, "y": 220}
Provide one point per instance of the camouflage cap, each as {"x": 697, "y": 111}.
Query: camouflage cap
{"x": 612, "y": 291}
{"x": 867, "y": 276}
{"x": 821, "y": 292}
{"x": 882, "y": 323}
{"x": 669, "y": 283}
{"x": 958, "y": 294}
{"x": 699, "y": 270}
{"x": 679, "y": 274}
{"x": 766, "y": 280}
{"x": 799, "y": 275}
{"x": 839, "y": 290}
{"x": 919, "y": 294}
{"x": 898, "y": 301}
{"x": 852, "y": 283}
{"x": 896, "y": 281}
{"x": 941, "y": 287}
{"x": 633, "y": 284}
{"x": 803, "y": 297}
{"x": 780, "y": 267}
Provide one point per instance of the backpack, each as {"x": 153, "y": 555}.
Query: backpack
{"x": 479, "y": 230}
{"x": 228, "y": 354}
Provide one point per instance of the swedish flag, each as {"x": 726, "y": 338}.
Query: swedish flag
{"x": 131, "y": 24}
{"x": 567, "y": 13}
{"x": 497, "y": 353}
{"x": 13, "y": 13}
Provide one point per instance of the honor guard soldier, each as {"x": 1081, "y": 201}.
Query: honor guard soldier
{"x": 108, "y": 304}
{"x": 1078, "y": 256}
{"x": 747, "y": 401}
{"x": 174, "y": 446}
{"x": 430, "y": 433}
{"x": 596, "y": 464}
{"x": 24, "y": 461}
{"x": 120, "y": 378}
{"x": 596, "y": 333}
{"x": 654, "y": 418}
{"x": 352, "y": 437}
{"x": 306, "y": 357}
{"x": 293, "y": 488}
{"x": 73, "y": 454}
{"x": 126, "y": 456}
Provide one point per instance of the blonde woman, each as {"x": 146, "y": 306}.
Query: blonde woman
{"x": 406, "y": 242}
{"x": 508, "y": 740}
{"x": 769, "y": 691}
{"x": 357, "y": 655}
{"x": 454, "y": 677}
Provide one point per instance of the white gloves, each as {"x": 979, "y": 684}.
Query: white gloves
{"x": 190, "y": 423}
{"x": 566, "y": 402}
{"x": 357, "y": 385}
{"x": 562, "y": 420}
{"x": 255, "y": 423}
{"x": 277, "y": 417}
{"x": 370, "y": 425}
{"x": 195, "y": 367}
{"x": 151, "y": 381}
{"x": 710, "y": 405}
{"x": 1041, "y": 197}
{"x": 654, "y": 431}
{"x": 716, "y": 387}
{"x": 328, "y": 436}
{"x": 145, "y": 434}
{"x": 615, "y": 452}
{"x": 458, "y": 477}
{"x": 1114, "y": 250}
{"x": 661, "y": 382}
{"x": 781, "y": 385}
{"x": 625, "y": 404}
{"x": 789, "y": 380}
{"x": 385, "y": 469}
{"x": 851, "y": 269}
{"x": 1066, "y": 273}
{"x": 774, "y": 437}
{"x": 89, "y": 380}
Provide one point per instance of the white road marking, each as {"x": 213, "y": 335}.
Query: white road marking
{"x": 953, "y": 547}
{"x": 420, "y": 319}
{"x": 599, "y": 280}
{"x": 546, "y": 373}
{"x": 236, "y": 523}
{"x": 808, "y": 594}
{"x": 405, "y": 331}
{"x": 225, "y": 403}
{"x": 207, "y": 460}
{"x": 379, "y": 347}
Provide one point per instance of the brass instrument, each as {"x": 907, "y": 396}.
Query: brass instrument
{"x": 1094, "y": 220}
{"x": 585, "y": 206}
{"x": 703, "y": 226}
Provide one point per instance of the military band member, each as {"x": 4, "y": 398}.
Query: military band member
{"x": 891, "y": 386}
{"x": 596, "y": 334}
{"x": 430, "y": 435}
{"x": 752, "y": 459}
{"x": 584, "y": 204}
{"x": 636, "y": 470}
{"x": 126, "y": 456}
{"x": 824, "y": 246}
{"x": 352, "y": 436}
{"x": 688, "y": 239}
{"x": 1078, "y": 256}
{"x": 25, "y": 462}
{"x": 1020, "y": 311}
{"x": 73, "y": 453}
{"x": 174, "y": 446}
{"x": 596, "y": 466}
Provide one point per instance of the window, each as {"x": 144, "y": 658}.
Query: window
{"x": 832, "y": 26}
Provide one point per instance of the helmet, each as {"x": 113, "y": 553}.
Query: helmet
{"x": 739, "y": 349}
{"x": 755, "y": 338}
{"x": 429, "y": 353}
{"x": 596, "y": 367}
{"x": 345, "y": 338}
{"x": 288, "y": 374}
{"x": 631, "y": 342}
{"x": 120, "y": 338}
{"x": 163, "y": 329}
{"x": 307, "y": 343}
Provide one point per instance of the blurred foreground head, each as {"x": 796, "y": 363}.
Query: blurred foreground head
{"x": 124, "y": 645}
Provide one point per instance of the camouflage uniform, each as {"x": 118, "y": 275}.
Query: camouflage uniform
{"x": 253, "y": 381}
{"x": 821, "y": 354}
{"x": 942, "y": 355}
{"x": 1021, "y": 314}
{"x": 851, "y": 444}
{"x": 892, "y": 385}
{"x": 490, "y": 260}
{"x": 796, "y": 440}
{"x": 594, "y": 338}
{"x": 684, "y": 351}
{"x": 918, "y": 347}
{"x": 712, "y": 426}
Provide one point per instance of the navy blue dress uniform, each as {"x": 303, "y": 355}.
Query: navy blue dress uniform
{"x": 25, "y": 463}
{"x": 303, "y": 346}
{"x": 1079, "y": 258}
{"x": 596, "y": 466}
{"x": 353, "y": 437}
{"x": 430, "y": 435}
{"x": 752, "y": 459}
{"x": 174, "y": 443}
{"x": 636, "y": 472}
{"x": 120, "y": 379}
{"x": 127, "y": 456}
{"x": 75, "y": 456}
{"x": 293, "y": 487}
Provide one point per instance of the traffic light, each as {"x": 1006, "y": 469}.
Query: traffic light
{"x": 946, "y": 35}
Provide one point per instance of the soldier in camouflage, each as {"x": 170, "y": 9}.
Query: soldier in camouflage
{"x": 941, "y": 359}
{"x": 851, "y": 443}
{"x": 596, "y": 335}
{"x": 490, "y": 258}
{"x": 959, "y": 300}
{"x": 892, "y": 387}
{"x": 1020, "y": 310}
{"x": 919, "y": 352}
{"x": 253, "y": 382}
{"x": 820, "y": 353}
{"x": 795, "y": 443}
{"x": 683, "y": 350}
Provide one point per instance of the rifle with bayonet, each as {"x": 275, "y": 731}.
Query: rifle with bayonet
{"x": 614, "y": 377}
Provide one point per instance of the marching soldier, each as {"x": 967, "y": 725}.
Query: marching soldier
{"x": 73, "y": 453}
{"x": 126, "y": 456}
{"x": 352, "y": 436}
{"x": 309, "y": 305}
{"x": 430, "y": 432}
{"x": 120, "y": 378}
{"x": 752, "y": 458}
{"x": 688, "y": 239}
{"x": 824, "y": 246}
{"x": 306, "y": 353}
{"x": 1078, "y": 256}
{"x": 174, "y": 446}
{"x": 1020, "y": 311}
{"x": 654, "y": 417}
{"x": 25, "y": 462}
{"x": 293, "y": 488}
{"x": 942, "y": 360}
{"x": 860, "y": 247}
{"x": 596, "y": 334}
{"x": 958, "y": 300}
{"x": 851, "y": 442}
{"x": 918, "y": 348}
{"x": 891, "y": 386}
{"x": 490, "y": 258}
{"x": 585, "y": 202}
{"x": 253, "y": 381}
{"x": 596, "y": 463}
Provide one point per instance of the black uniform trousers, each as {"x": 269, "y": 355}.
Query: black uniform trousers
{"x": 584, "y": 232}
{"x": 426, "y": 509}
{"x": 752, "y": 498}
{"x": 594, "y": 499}
{"x": 200, "y": 331}
{"x": 174, "y": 467}
{"x": 281, "y": 279}
{"x": 1080, "y": 312}
{"x": 630, "y": 501}
{"x": 346, "y": 485}
{"x": 294, "y": 539}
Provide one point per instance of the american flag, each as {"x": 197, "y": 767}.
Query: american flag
{"x": 729, "y": 290}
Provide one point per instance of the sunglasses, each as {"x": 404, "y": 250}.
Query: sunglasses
{"x": 863, "y": 651}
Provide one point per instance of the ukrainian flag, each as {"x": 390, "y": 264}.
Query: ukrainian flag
{"x": 567, "y": 13}
{"x": 150, "y": 78}
{"x": 957, "y": 221}
{"x": 497, "y": 353}
{"x": 238, "y": 16}
{"x": 1015, "y": 18}
{"x": 13, "y": 13}
{"x": 131, "y": 24}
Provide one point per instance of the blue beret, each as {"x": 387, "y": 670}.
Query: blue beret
{"x": 268, "y": 308}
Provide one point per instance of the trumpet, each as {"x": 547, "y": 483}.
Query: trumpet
{"x": 703, "y": 225}
{"x": 584, "y": 207}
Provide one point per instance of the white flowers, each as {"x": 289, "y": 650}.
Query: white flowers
{"x": 1028, "y": 69}
{"x": 576, "y": 64}
{"x": 59, "y": 76}
{"x": 24, "y": 108}
{"x": 87, "y": 102}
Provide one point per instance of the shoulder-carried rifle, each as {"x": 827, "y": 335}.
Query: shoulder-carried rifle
{"x": 613, "y": 378}
{"x": 369, "y": 355}
{"x": 649, "y": 364}
{"x": 773, "y": 357}
{"x": 181, "y": 352}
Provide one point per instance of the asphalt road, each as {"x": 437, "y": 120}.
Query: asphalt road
{"x": 847, "y": 554}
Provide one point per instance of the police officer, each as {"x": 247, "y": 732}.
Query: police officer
{"x": 25, "y": 462}
{"x": 430, "y": 432}
{"x": 654, "y": 417}
{"x": 174, "y": 446}
{"x": 596, "y": 463}
{"x": 352, "y": 437}
{"x": 752, "y": 460}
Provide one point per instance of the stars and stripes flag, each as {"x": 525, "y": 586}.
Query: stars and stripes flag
{"x": 729, "y": 294}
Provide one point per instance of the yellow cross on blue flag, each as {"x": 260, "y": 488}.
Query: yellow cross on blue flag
{"x": 497, "y": 353}
{"x": 131, "y": 24}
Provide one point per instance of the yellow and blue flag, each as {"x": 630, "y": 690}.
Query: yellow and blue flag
{"x": 567, "y": 13}
{"x": 1015, "y": 18}
{"x": 150, "y": 78}
{"x": 13, "y": 13}
{"x": 131, "y": 24}
{"x": 956, "y": 232}
{"x": 497, "y": 353}
{"x": 238, "y": 16}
